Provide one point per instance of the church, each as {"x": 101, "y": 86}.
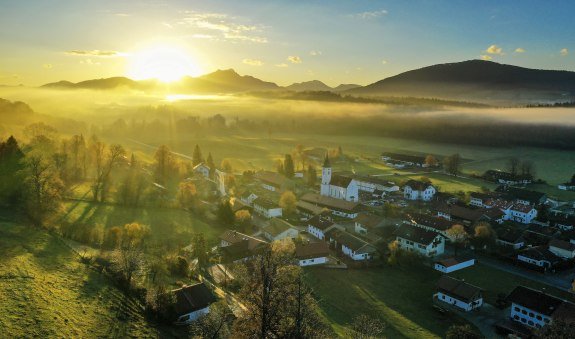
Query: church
{"x": 337, "y": 186}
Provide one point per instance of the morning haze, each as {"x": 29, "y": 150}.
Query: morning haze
{"x": 366, "y": 169}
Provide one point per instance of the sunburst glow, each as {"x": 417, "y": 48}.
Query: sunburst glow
{"x": 165, "y": 63}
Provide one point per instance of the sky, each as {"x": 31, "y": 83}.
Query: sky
{"x": 284, "y": 41}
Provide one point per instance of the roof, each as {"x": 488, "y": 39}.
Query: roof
{"x": 320, "y": 222}
{"x": 561, "y": 244}
{"x": 201, "y": 164}
{"x": 404, "y": 157}
{"x": 277, "y": 227}
{"x": 510, "y": 235}
{"x": 514, "y": 193}
{"x": 418, "y": 185}
{"x": 240, "y": 205}
{"x": 309, "y": 207}
{"x": 308, "y": 250}
{"x": 369, "y": 220}
{"x": 481, "y": 195}
{"x": 340, "y": 180}
{"x": 539, "y": 253}
{"x": 192, "y": 298}
{"x": 535, "y": 300}
{"x": 234, "y": 237}
{"x": 437, "y": 223}
{"x": 350, "y": 241}
{"x": 416, "y": 234}
{"x": 271, "y": 178}
{"x": 331, "y": 203}
{"x": 458, "y": 289}
{"x": 461, "y": 212}
{"x": 247, "y": 194}
{"x": 521, "y": 208}
{"x": 265, "y": 203}
{"x": 448, "y": 262}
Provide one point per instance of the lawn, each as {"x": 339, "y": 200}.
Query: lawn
{"x": 402, "y": 297}
{"x": 46, "y": 292}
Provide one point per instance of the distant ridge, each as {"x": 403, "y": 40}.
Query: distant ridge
{"x": 314, "y": 85}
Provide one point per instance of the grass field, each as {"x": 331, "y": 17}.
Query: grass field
{"x": 46, "y": 292}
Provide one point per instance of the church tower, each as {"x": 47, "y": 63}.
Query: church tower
{"x": 325, "y": 176}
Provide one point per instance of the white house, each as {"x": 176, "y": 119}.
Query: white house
{"x": 568, "y": 186}
{"x": 337, "y": 186}
{"x": 521, "y": 213}
{"x": 531, "y": 307}
{"x": 458, "y": 293}
{"x": 418, "y": 190}
{"x": 279, "y": 229}
{"x": 538, "y": 256}
{"x": 342, "y": 208}
{"x": 312, "y": 253}
{"x": 248, "y": 198}
{"x": 355, "y": 248}
{"x": 367, "y": 222}
{"x": 421, "y": 241}
{"x": 319, "y": 225}
{"x": 453, "y": 264}
{"x": 267, "y": 208}
{"x": 561, "y": 248}
{"x": 202, "y": 169}
{"x": 191, "y": 302}
{"x": 430, "y": 223}
{"x": 272, "y": 181}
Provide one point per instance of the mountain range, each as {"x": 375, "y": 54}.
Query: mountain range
{"x": 473, "y": 80}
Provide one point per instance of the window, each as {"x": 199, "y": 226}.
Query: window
{"x": 516, "y": 317}
{"x": 516, "y": 309}
{"x": 531, "y": 314}
{"x": 530, "y": 322}
{"x": 539, "y": 318}
{"x": 523, "y": 311}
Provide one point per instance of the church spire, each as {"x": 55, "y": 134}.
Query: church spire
{"x": 326, "y": 162}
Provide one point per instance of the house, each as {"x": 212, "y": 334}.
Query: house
{"x": 372, "y": 184}
{"x": 312, "y": 253}
{"x": 458, "y": 293}
{"x": 430, "y": 223}
{"x": 399, "y": 160}
{"x": 222, "y": 178}
{"x": 482, "y": 200}
{"x": 238, "y": 205}
{"x": 521, "y": 195}
{"x": 308, "y": 209}
{"x": 337, "y": 186}
{"x": 267, "y": 208}
{"x": 279, "y": 229}
{"x": 561, "y": 248}
{"x": 248, "y": 197}
{"x": 564, "y": 222}
{"x": 191, "y": 302}
{"x": 536, "y": 308}
{"x": 355, "y": 248}
{"x": 319, "y": 225}
{"x": 520, "y": 213}
{"x": 510, "y": 237}
{"x": 539, "y": 257}
{"x": 507, "y": 178}
{"x": 366, "y": 222}
{"x": 230, "y": 237}
{"x": 202, "y": 169}
{"x": 418, "y": 190}
{"x": 459, "y": 213}
{"x": 567, "y": 186}
{"x": 421, "y": 241}
{"x": 453, "y": 264}
{"x": 272, "y": 181}
{"x": 342, "y": 208}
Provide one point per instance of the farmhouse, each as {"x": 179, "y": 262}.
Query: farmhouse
{"x": 319, "y": 225}
{"x": 272, "y": 181}
{"x": 346, "y": 209}
{"x": 535, "y": 308}
{"x": 507, "y": 178}
{"x": 522, "y": 196}
{"x": 366, "y": 222}
{"x": 267, "y": 208}
{"x": 312, "y": 253}
{"x": 453, "y": 264}
{"x": 539, "y": 257}
{"x": 192, "y": 302}
{"x": 238, "y": 205}
{"x": 520, "y": 213}
{"x": 279, "y": 229}
{"x": 564, "y": 222}
{"x": 337, "y": 186}
{"x": 398, "y": 160}
{"x": 427, "y": 222}
{"x": 460, "y": 213}
{"x": 248, "y": 197}
{"x": 458, "y": 293}
{"x": 202, "y": 169}
{"x": 510, "y": 237}
{"x": 355, "y": 248}
{"x": 567, "y": 186}
{"x": 418, "y": 190}
{"x": 483, "y": 200}
{"x": 373, "y": 184}
{"x": 561, "y": 248}
{"x": 308, "y": 209}
{"x": 418, "y": 240}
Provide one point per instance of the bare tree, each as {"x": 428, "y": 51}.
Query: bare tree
{"x": 366, "y": 327}
{"x": 44, "y": 189}
{"x": 513, "y": 165}
{"x": 104, "y": 168}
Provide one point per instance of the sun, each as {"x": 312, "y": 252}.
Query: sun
{"x": 162, "y": 62}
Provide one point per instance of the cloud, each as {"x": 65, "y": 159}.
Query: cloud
{"x": 220, "y": 26}
{"x": 494, "y": 49}
{"x": 252, "y": 62}
{"x": 384, "y": 62}
{"x": 564, "y": 52}
{"x": 95, "y": 53}
{"x": 282, "y": 65}
{"x": 370, "y": 15}
{"x": 519, "y": 50}
{"x": 47, "y": 66}
{"x": 486, "y": 57}
{"x": 315, "y": 53}
{"x": 90, "y": 62}
{"x": 294, "y": 59}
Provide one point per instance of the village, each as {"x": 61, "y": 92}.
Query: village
{"x": 350, "y": 221}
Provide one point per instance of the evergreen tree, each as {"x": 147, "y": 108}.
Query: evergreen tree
{"x": 289, "y": 168}
{"x": 211, "y": 165}
{"x": 311, "y": 176}
{"x": 11, "y": 166}
{"x": 197, "y": 156}
{"x": 225, "y": 214}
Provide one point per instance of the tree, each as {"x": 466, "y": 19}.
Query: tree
{"x": 484, "y": 235}
{"x": 513, "y": 165}
{"x": 366, "y": 327}
{"x": 11, "y": 172}
{"x": 43, "y": 190}
{"x": 243, "y": 219}
{"x": 289, "y": 169}
{"x": 165, "y": 166}
{"x": 134, "y": 234}
{"x": 311, "y": 176}
{"x": 187, "y": 194}
{"x": 452, "y": 164}
{"x": 458, "y": 236}
{"x": 227, "y": 166}
{"x": 215, "y": 324}
{"x": 527, "y": 168}
{"x": 288, "y": 202}
{"x": 197, "y": 156}
{"x": 200, "y": 249}
{"x": 161, "y": 303}
{"x": 104, "y": 168}
{"x": 211, "y": 165}
{"x": 461, "y": 332}
{"x": 127, "y": 261}
{"x": 431, "y": 161}
{"x": 225, "y": 214}
{"x": 558, "y": 329}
